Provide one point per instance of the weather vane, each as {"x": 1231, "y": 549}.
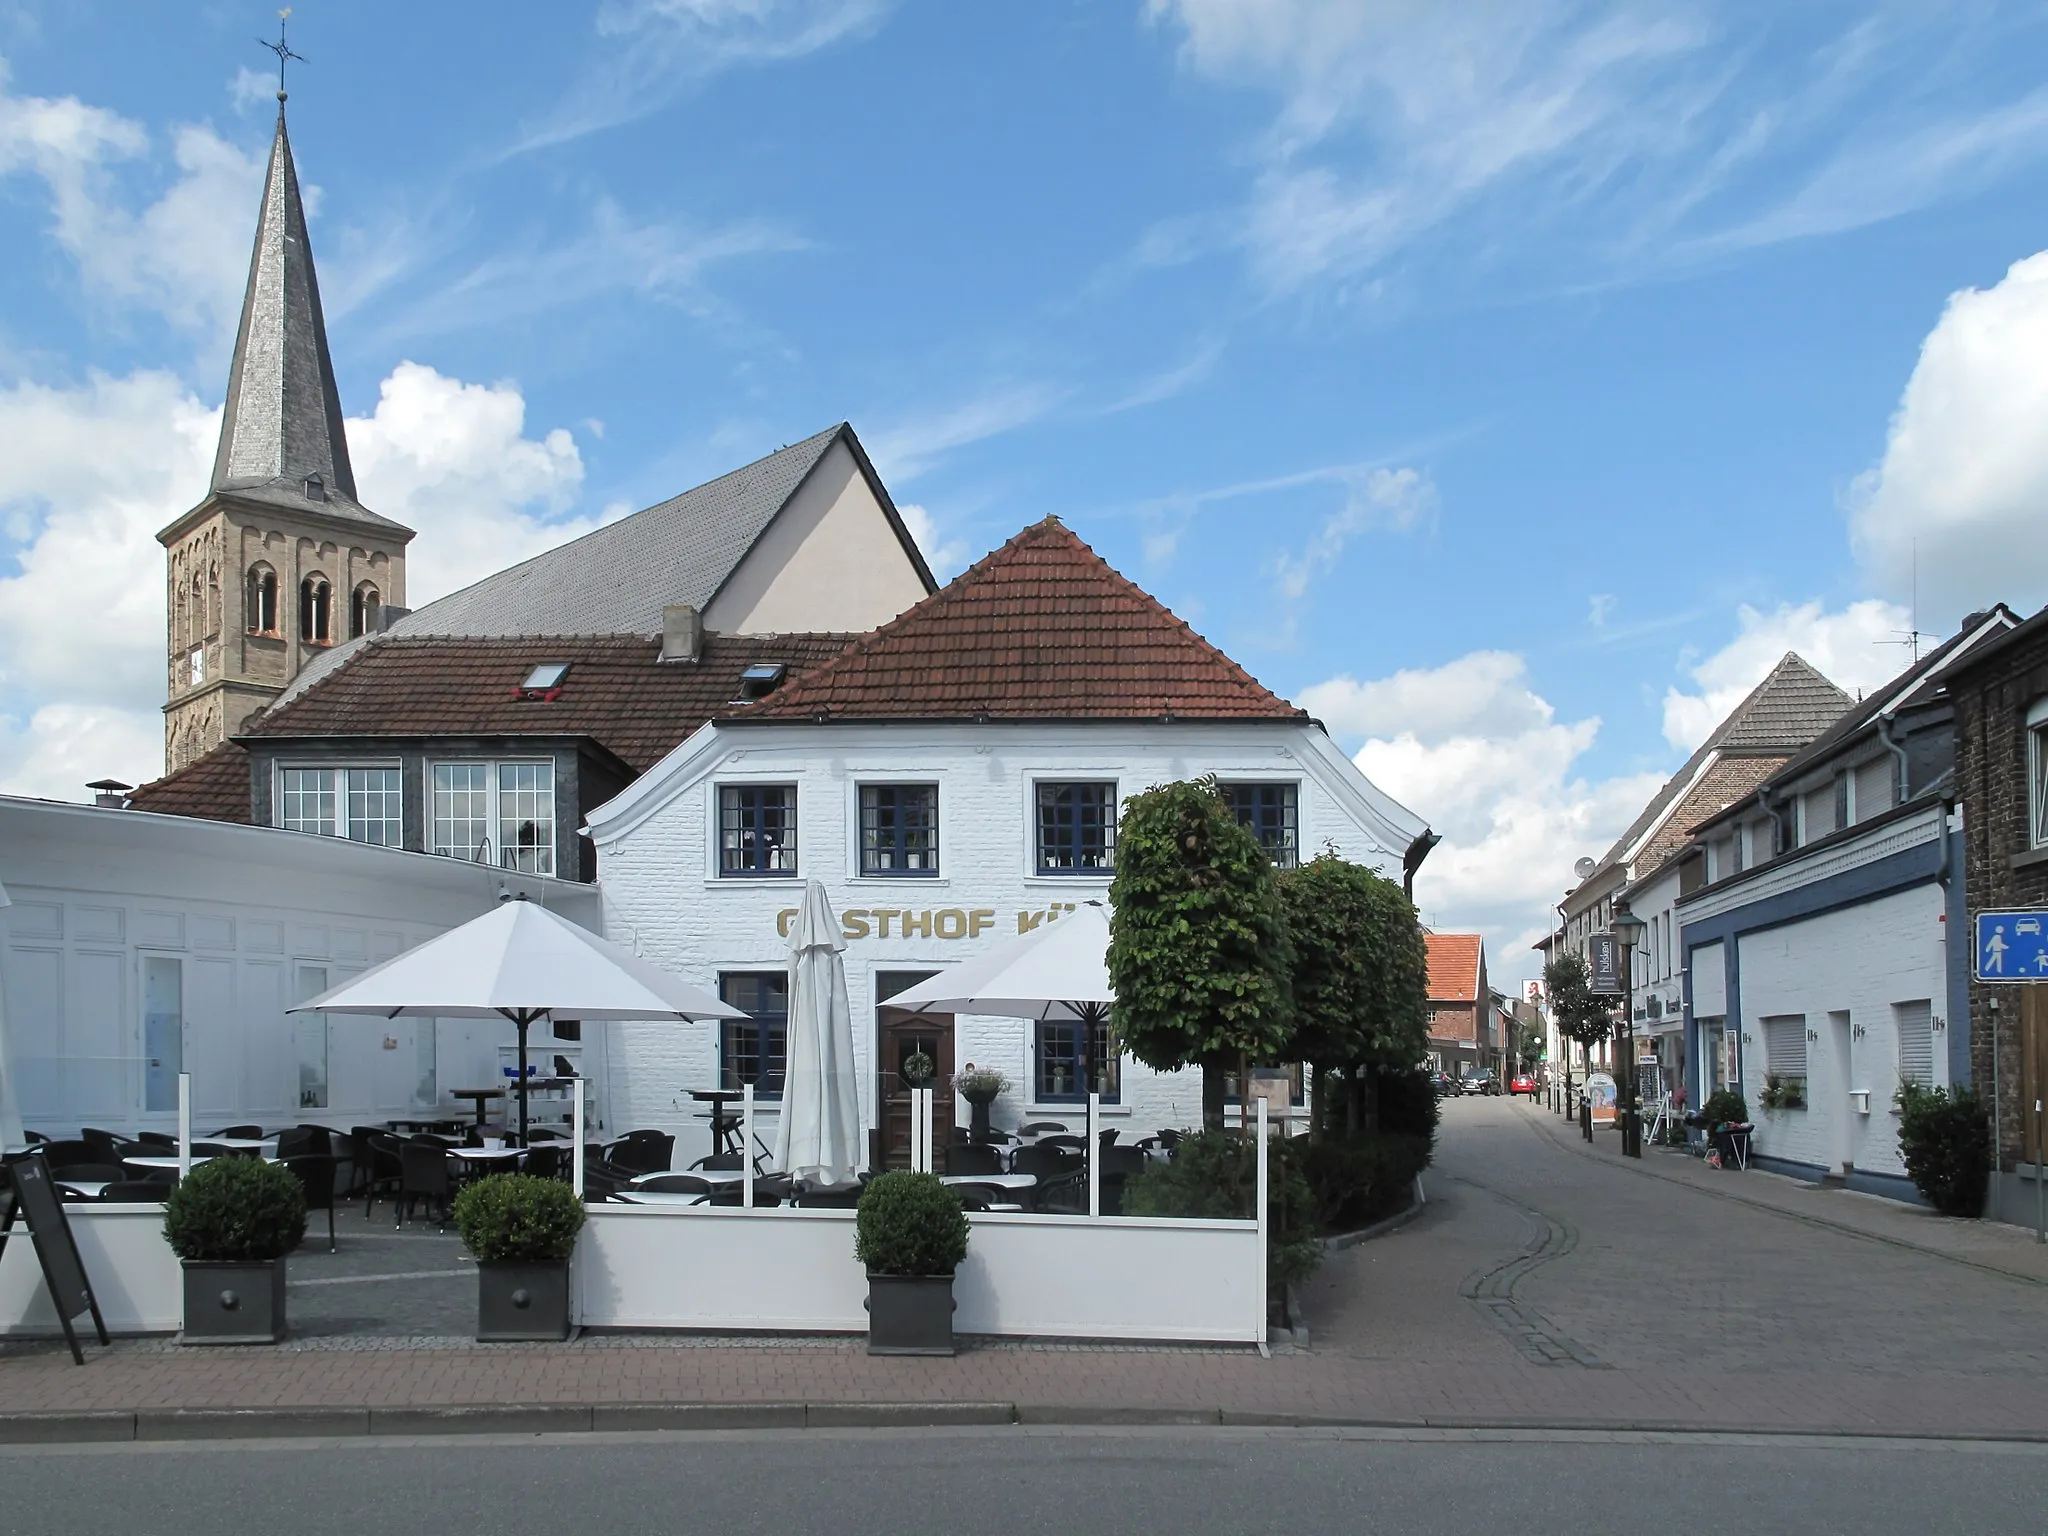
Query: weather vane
{"x": 283, "y": 53}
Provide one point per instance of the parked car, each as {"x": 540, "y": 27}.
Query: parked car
{"x": 1483, "y": 1081}
{"x": 1446, "y": 1085}
{"x": 1523, "y": 1083}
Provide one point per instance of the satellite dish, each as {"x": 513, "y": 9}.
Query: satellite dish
{"x": 1583, "y": 868}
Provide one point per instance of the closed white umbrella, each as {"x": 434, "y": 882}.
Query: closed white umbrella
{"x": 10, "y": 1106}
{"x": 818, "y": 1136}
{"x": 521, "y": 962}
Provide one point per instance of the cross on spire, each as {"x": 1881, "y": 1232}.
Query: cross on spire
{"x": 283, "y": 53}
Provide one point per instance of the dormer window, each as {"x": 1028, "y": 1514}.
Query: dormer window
{"x": 316, "y": 488}
{"x": 545, "y": 681}
{"x": 761, "y": 679}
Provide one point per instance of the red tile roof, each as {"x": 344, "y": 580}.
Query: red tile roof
{"x": 1453, "y": 967}
{"x": 214, "y": 787}
{"x": 1042, "y": 629}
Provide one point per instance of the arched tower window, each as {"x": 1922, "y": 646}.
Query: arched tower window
{"x": 316, "y": 618}
{"x": 364, "y": 605}
{"x": 261, "y": 611}
{"x": 212, "y": 598}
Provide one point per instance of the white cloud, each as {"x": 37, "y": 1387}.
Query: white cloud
{"x": 1857, "y": 649}
{"x": 89, "y": 473}
{"x": 252, "y": 87}
{"x": 1474, "y": 750}
{"x": 1392, "y": 499}
{"x": 1963, "y": 485}
{"x": 908, "y": 449}
{"x": 946, "y": 557}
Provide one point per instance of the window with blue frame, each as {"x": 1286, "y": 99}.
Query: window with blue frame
{"x": 754, "y": 1049}
{"x": 757, "y": 829}
{"x": 1076, "y": 828}
{"x": 1061, "y": 1070}
{"x": 1273, "y": 814}
{"x": 899, "y": 829}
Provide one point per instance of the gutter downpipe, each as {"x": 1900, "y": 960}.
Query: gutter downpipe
{"x": 1905, "y": 785}
{"x": 1411, "y": 861}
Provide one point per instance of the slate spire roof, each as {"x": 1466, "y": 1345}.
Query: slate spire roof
{"x": 282, "y": 423}
{"x": 1042, "y": 629}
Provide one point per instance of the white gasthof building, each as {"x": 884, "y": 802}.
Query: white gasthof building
{"x": 952, "y": 778}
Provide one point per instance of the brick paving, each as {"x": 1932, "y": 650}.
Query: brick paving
{"x": 1543, "y": 1284}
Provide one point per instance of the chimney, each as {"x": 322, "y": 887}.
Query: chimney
{"x": 682, "y": 633}
{"x": 387, "y": 615}
{"x": 110, "y": 794}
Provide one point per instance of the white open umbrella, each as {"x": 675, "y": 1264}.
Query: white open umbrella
{"x": 521, "y": 962}
{"x": 1058, "y": 971}
{"x": 818, "y": 1136}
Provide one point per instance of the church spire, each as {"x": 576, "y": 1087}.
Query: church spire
{"x": 282, "y": 425}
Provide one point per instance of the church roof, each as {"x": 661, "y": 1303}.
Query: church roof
{"x": 617, "y": 579}
{"x": 282, "y": 422}
{"x": 1042, "y": 629}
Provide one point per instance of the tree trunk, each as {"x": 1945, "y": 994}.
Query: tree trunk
{"x": 1212, "y": 1095}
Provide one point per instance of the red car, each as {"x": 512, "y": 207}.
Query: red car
{"x": 1523, "y": 1083}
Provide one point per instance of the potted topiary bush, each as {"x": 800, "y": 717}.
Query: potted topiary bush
{"x": 911, "y": 1234}
{"x": 980, "y": 1087}
{"x": 521, "y": 1230}
{"x": 231, "y": 1221}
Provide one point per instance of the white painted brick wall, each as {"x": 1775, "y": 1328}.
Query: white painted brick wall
{"x": 661, "y": 893}
{"x": 1860, "y": 960}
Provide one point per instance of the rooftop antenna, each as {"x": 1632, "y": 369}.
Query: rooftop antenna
{"x": 1911, "y": 638}
{"x": 283, "y": 53}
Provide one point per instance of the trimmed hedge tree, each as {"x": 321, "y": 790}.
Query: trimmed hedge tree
{"x": 1198, "y": 950}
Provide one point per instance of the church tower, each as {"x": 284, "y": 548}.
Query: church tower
{"x": 280, "y": 561}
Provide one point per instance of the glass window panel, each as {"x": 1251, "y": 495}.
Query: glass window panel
{"x": 899, "y": 829}
{"x": 1062, "y": 1068}
{"x": 309, "y": 1031}
{"x": 753, "y": 1049}
{"x": 1272, "y": 812}
{"x": 462, "y": 810}
{"x": 757, "y": 829}
{"x": 308, "y": 801}
{"x": 1076, "y": 828}
{"x": 373, "y": 807}
{"x": 163, "y": 1030}
{"x": 526, "y": 817}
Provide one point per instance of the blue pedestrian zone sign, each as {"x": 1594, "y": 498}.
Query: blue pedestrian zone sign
{"x": 2012, "y": 946}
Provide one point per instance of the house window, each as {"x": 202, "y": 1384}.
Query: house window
{"x": 2037, "y": 771}
{"x": 1076, "y": 828}
{"x": 360, "y": 804}
{"x": 757, "y": 829}
{"x": 751, "y": 1050}
{"x": 364, "y": 604}
{"x": 1914, "y": 1024}
{"x": 1785, "y": 1048}
{"x": 899, "y": 829}
{"x": 1845, "y": 811}
{"x": 1061, "y": 1073}
{"x": 496, "y": 813}
{"x": 1271, "y": 811}
{"x": 309, "y": 1033}
{"x": 316, "y": 619}
{"x": 261, "y": 614}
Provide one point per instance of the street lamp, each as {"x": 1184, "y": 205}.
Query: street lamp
{"x": 1628, "y": 932}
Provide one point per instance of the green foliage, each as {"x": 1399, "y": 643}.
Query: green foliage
{"x": 1408, "y": 1104}
{"x": 985, "y": 1082}
{"x": 1358, "y": 1180}
{"x": 1214, "y": 1176}
{"x": 1529, "y": 1045}
{"x": 1580, "y": 1015}
{"x": 909, "y": 1224}
{"x": 918, "y": 1070}
{"x": 1783, "y": 1092}
{"x": 1198, "y": 948}
{"x": 240, "y": 1209}
{"x": 1945, "y": 1141}
{"x": 1725, "y": 1106}
{"x": 515, "y": 1218}
{"x": 1361, "y": 966}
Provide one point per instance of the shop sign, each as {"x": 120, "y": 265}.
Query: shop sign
{"x": 926, "y": 923}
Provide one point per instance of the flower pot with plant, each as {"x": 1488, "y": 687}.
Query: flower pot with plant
{"x": 1727, "y": 1116}
{"x": 980, "y": 1087}
{"x": 231, "y": 1221}
{"x": 521, "y": 1230}
{"x": 911, "y": 1234}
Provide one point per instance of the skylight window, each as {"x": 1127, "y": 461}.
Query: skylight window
{"x": 548, "y": 675}
{"x": 761, "y": 678}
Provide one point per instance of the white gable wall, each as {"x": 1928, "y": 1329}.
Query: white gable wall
{"x": 828, "y": 562}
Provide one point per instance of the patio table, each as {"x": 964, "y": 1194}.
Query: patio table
{"x": 481, "y": 1097}
{"x": 160, "y": 1162}
{"x": 724, "y": 1126}
{"x": 995, "y": 1180}
{"x": 487, "y": 1154}
{"x": 712, "y": 1176}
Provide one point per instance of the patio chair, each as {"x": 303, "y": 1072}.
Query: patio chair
{"x": 1119, "y": 1166}
{"x": 423, "y": 1175}
{"x": 34, "y": 1138}
{"x": 548, "y": 1162}
{"x": 643, "y": 1151}
{"x": 301, "y": 1141}
{"x": 63, "y": 1154}
{"x": 1060, "y": 1175}
{"x": 242, "y": 1133}
{"x": 1043, "y": 1128}
{"x": 136, "y": 1191}
{"x": 88, "y": 1173}
{"x": 769, "y": 1191}
{"x": 718, "y": 1162}
{"x": 213, "y": 1149}
{"x": 826, "y": 1199}
{"x": 383, "y": 1167}
{"x": 1076, "y": 1144}
{"x": 677, "y": 1184}
{"x": 105, "y": 1144}
{"x": 966, "y": 1160}
{"x": 162, "y": 1139}
{"x": 316, "y": 1178}
{"x": 985, "y": 1197}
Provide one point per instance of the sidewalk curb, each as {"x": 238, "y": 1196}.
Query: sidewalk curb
{"x": 159, "y": 1425}
{"x": 1626, "y": 1165}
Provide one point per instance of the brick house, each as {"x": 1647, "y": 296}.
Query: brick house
{"x": 1462, "y": 1037}
{"x": 2001, "y": 705}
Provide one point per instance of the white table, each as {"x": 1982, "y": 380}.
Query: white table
{"x": 240, "y": 1143}
{"x": 487, "y": 1154}
{"x": 995, "y": 1180}
{"x": 716, "y": 1177}
{"x": 160, "y": 1162}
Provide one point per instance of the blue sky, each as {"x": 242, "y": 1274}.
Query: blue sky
{"x": 1512, "y": 385}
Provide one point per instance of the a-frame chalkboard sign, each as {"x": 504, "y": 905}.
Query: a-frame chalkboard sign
{"x": 27, "y": 1194}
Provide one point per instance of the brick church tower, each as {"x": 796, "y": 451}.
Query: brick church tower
{"x": 280, "y": 561}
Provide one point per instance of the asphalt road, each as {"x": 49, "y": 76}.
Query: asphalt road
{"x": 968, "y": 1482}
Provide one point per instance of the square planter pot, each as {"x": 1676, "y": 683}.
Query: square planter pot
{"x": 230, "y": 1302}
{"x": 523, "y": 1303}
{"x": 910, "y": 1314}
